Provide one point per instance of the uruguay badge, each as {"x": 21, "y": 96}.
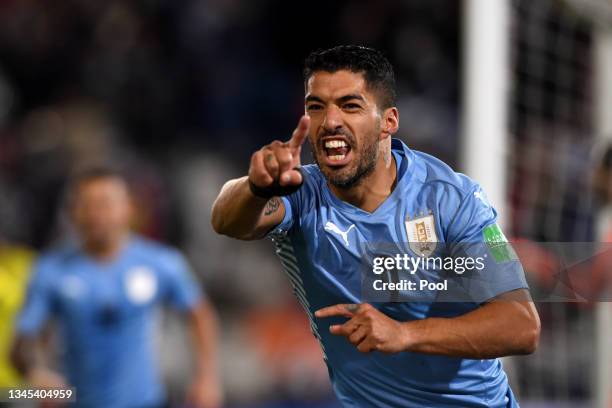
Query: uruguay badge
{"x": 422, "y": 236}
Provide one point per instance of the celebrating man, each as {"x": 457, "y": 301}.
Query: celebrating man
{"x": 368, "y": 188}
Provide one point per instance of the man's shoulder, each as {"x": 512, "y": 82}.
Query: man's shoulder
{"x": 459, "y": 198}
{"x": 147, "y": 247}
{"x": 55, "y": 261}
{"x": 436, "y": 174}
{"x": 155, "y": 253}
{"x": 58, "y": 254}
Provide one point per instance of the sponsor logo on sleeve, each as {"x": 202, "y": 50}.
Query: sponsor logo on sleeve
{"x": 498, "y": 244}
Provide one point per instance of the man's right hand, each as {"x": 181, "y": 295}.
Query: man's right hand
{"x": 44, "y": 378}
{"x": 275, "y": 163}
{"x": 40, "y": 377}
{"x": 248, "y": 207}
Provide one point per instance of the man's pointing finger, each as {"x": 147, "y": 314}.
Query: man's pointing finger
{"x": 300, "y": 132}
{"x": 346, "y": 310}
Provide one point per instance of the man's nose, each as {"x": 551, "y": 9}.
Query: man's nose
{"x": 333, "y": 118}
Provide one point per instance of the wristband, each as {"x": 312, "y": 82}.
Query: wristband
{"x": 275, "y": 189}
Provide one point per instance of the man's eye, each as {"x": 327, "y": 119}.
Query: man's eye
{"x": 314, "y": 107}
{"x": 351, "y": 106}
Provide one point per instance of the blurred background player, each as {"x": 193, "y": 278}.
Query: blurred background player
{"x": 103, "y": 290}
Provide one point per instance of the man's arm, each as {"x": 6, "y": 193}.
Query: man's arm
{"x": 240, "y": 214}
{"x": 27, "y": 359}
{"x": 206, "y": 390}
{"x": 23, "y": 354}
{"x": 32, "y": 334}
{"x": 237, "y": 211}
{"x": 507, "y": 325}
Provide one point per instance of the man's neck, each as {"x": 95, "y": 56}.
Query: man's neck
{"x": 375, "y": 188}
{"x": 107, "y": 251}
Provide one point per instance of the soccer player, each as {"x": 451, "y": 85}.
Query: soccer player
{"x": 365, "y": 188}
{"x": 104, "y": 291}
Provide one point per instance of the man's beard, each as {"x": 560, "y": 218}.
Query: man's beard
{"x": 365, "y": 167}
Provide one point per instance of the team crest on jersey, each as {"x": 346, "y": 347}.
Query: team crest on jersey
{"x": 422, "y": 236}
{"x": 140, "y": 285}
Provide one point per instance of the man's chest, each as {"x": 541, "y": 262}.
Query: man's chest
{"x": 86, "y": 293}
{"x": 413, "y": 228}
{"x": 340, "y": 249}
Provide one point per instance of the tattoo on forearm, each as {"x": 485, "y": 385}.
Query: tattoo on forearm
{"x": 272, "y": 206}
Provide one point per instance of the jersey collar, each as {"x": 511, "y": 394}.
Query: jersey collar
{"x": 404, "y": 170}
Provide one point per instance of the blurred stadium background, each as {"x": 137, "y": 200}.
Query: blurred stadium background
{"x": 517, "y": 93}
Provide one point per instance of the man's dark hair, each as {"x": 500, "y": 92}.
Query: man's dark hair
{"x": 89, "y": 174}
{"x": 376, "y": 69}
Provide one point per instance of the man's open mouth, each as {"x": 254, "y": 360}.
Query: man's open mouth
{"x": 337, "y": 151}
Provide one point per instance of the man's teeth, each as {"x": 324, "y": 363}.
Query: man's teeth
{"x": 336, "y": 144}
{"x": 332, "y": 144}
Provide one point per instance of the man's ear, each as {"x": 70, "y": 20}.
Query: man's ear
{"x": 389, "y": 122}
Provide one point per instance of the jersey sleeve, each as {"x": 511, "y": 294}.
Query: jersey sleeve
{"x": 287, "y": 221}
{"x": 296, "y": 204}
{"x": 182, "y": 291}
{"x": 474, "y": 233}
{"x": 39, "y": 303}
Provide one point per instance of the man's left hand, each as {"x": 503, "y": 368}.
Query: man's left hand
{"x": 368, "y": 329}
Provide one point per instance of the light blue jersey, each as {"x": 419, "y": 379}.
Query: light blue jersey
{"x": 106, "y": 313}
{"x": 320, "y": 244}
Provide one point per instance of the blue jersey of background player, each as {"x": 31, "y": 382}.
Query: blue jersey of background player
{"x": 367, "y": 189}
{"x": 103, "y": 291}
